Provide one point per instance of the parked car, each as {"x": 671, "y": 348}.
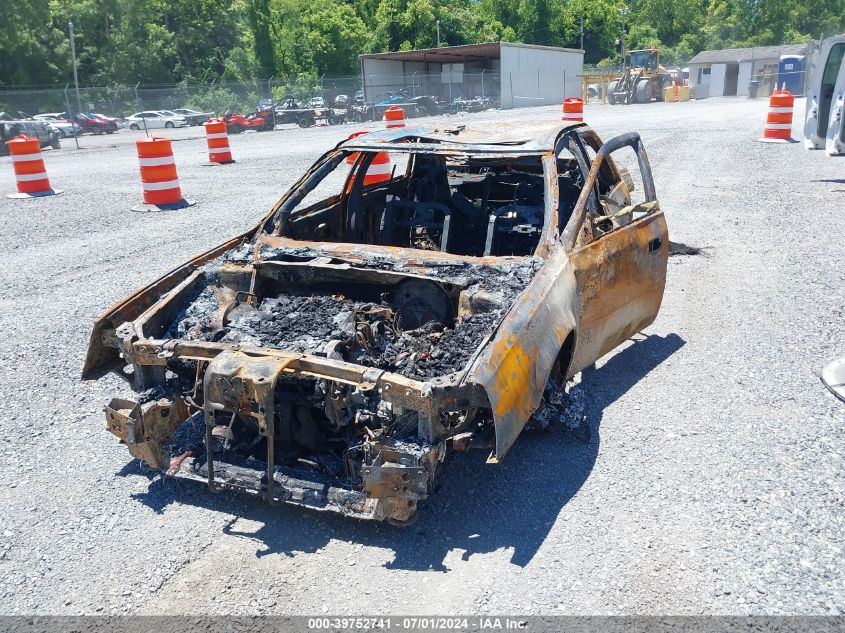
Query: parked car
{"x": 192, "y": 116}
{"x": 91, "y": 123}
{"x": 64, "y": 127}
{"x": 317, "y": 102}
{"x": 120, "y": 122}
{"x": 414, "y": 106}
{"x": 11, "y": 127}
{"x": 434, "y": 298}
{"x": 261, "y": 121}
{"x": 155, "y": 119}
{"x": 288, "y": 110}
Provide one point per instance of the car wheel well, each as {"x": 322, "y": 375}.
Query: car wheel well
{"x": 560, "y": 371}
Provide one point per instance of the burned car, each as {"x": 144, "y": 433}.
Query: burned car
{"x": 415, "y": 293}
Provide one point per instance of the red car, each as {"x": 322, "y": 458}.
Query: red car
{"x": 91, "y": 122}
{"x": 260, "y": 121}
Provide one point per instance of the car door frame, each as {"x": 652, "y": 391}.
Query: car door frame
{"x": 620, "y": 274}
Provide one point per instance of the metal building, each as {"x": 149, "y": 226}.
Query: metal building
{"x": 735, "y": 71}
{"x": 517, "y": 75}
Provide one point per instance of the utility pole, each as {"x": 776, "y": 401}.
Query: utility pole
{"x": 438, "y": 33}
{"x": 623, "y": 12}
{"x": 582, "y": 31}
{"x": 75, "y": 77}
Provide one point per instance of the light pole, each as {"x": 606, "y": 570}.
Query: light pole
{"x": 438, "y": 33}
{"x": 622, "y": 13}
{"x": 582, "y": 31}
{"x": 73, "y": 56}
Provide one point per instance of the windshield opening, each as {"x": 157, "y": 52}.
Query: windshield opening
{"x": 457, "y": 203}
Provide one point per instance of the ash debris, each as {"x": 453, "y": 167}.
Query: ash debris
{"x": 679, "y": 248}
{"x": 304, "y": 323}
{"x": 368, "y": 333}
{"x": 195, "y": 320}
{"x": 565, "y": 405}
{"x": 431, "y": 350}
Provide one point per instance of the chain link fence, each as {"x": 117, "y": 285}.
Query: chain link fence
{"x": 121, "y": 101}
{"x": 221, "y": 97}
{"x": 224, "y": 97}
{"x": 364, "y": 97}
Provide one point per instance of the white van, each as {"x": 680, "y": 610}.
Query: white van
{"x": 823, "y": 126}
{"x": 835, "y": 142}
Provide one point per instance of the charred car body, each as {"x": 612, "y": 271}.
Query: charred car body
{"x": 334, "y": 355}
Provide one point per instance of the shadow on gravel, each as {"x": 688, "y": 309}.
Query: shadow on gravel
{"x": 479, "y": 508}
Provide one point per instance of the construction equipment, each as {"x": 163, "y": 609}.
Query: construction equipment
{"x": 642, "y": 80}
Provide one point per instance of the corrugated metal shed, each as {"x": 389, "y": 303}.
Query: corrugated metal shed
{"x": 508, "y": 73}
{"x": 728, "y": 55}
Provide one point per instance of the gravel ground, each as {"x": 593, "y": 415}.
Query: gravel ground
{"x": 713, "y": 482}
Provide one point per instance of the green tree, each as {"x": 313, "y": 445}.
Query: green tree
{"x": 336, "y": 36}
{"x": 28, "y": 46}
{"x": 169, "y": 41}
{"x": 258, "y": 12}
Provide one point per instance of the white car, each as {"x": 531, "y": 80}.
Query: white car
{"x": 152, "y": 119}
{"x": 64, "y": 127}
{"x": 317, "y": 102}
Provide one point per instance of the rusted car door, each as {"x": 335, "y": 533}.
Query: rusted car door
{"x": 619, "y": 254}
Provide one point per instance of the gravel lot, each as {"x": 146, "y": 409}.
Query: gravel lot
{"x": 713, "y": 482}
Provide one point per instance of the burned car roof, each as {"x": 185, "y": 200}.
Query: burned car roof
{"x": 502, "y": 137}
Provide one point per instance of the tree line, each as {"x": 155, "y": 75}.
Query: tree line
{"x": 173, "y": 41}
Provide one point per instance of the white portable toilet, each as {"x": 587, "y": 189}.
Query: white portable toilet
{"x": 835, "y": 142}
{"x": 820, "y": 96}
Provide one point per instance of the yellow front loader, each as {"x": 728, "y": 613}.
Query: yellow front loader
{"x": 642, "y": 81}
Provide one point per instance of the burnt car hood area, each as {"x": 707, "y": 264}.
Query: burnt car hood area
{"x": 377, "y": 320}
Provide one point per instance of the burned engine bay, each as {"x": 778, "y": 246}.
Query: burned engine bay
{"x": 422, "y": 322}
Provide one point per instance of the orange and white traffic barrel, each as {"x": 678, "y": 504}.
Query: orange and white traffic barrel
{"x": 394, "y": 116}
{"x": 779, "y": 119}
{"x": 676, "y": 93}
{"x": 217, "y": 138}
{"x": 573, "y": 109}
{"x": 158, "y": 176}
{"x": 30, "y": 173}
{"x": 350, "y": 160}
{"x": 378, "y": 171}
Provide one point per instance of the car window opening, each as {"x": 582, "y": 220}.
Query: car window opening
{"x": 464, "y": 205}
